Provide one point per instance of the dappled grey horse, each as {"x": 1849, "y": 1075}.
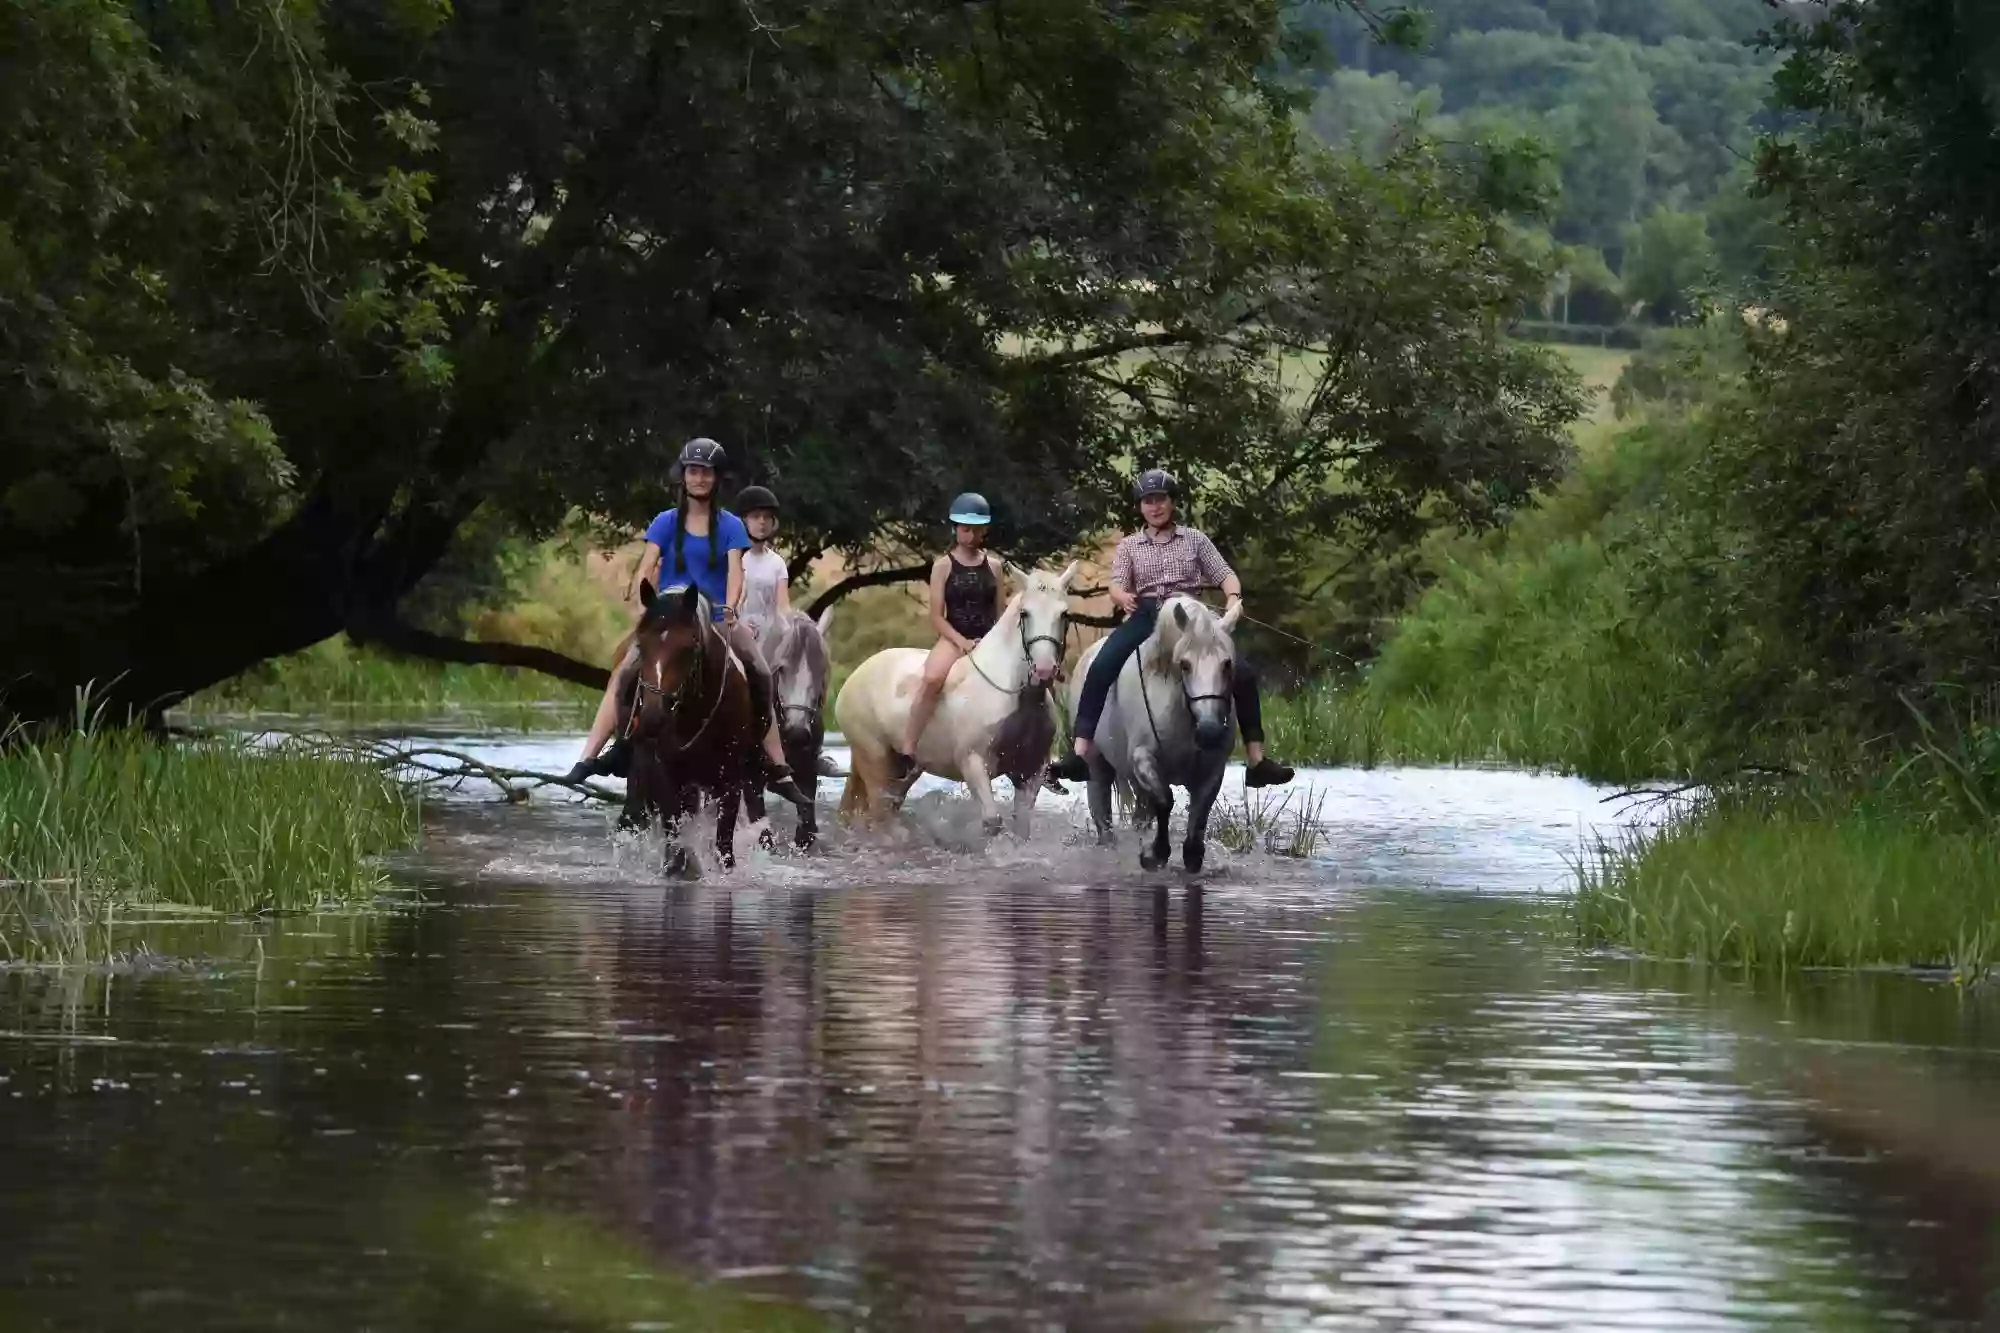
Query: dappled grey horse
{"x": 794, "y": 650}
{"x": 1169, "y": 723}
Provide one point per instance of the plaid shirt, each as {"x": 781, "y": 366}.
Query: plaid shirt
{"x": 1185, "y": 562}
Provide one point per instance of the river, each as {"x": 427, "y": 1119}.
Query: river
{"x": 926, "y": 1083}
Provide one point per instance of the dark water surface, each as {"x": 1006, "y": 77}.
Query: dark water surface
{"x": 918, "y": 1087}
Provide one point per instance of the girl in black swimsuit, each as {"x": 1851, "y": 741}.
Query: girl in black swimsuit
{"x": 966, "y": 598}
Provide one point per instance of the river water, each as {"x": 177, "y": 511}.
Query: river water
{"x": 922, "y": 1083}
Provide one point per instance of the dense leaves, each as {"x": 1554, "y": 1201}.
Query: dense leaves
{"x": 294, "y": 291}
{"x": 1860, "y": 561}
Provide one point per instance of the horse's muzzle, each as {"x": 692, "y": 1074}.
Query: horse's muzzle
{"x": 1211, "y": 733}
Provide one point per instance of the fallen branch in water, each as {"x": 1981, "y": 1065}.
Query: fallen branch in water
{"x": 1653, "y": 795}
{"x": 440, "y": 767}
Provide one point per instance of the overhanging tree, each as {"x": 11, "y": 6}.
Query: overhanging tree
{"x": 288, "y": 291}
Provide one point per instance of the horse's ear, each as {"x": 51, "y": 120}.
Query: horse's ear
{"x": 691, "y": 601}
{"x": 1015, "y": 572}
{"x": 824, "y": 622}
{"x": 1180, "y": 614}
{"x": 646, "y": 594}
{"x": 1231, "y": 616}
{"x": 1068, "y": 576}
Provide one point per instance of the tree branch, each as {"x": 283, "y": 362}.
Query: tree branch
{"x": 856, "y": 582}
{"x": 401, "y": 637}
{"x": 1077, "y": 356}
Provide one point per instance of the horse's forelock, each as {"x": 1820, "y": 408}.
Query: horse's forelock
{"x": 1203, "y": 632}
{"x": 796, "y": 642}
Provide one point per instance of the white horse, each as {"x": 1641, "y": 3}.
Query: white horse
{"x": 985, "y": 725}
{"x": 1168, "y": 723}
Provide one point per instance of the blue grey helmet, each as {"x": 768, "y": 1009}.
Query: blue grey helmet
{"x": 971, "y": 508}
{"x": 1156, "y": 481}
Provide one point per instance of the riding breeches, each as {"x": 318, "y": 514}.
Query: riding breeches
{"x": 1126, "y": 640}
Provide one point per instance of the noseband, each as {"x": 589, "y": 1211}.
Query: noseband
{"x": 690, "y": 686}
{"x": 1028, "y": 642}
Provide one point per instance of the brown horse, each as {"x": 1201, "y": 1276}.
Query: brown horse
{"x": 690, "y": 724}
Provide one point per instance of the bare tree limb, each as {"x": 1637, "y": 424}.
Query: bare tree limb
{"x": 401, "y": 637}
{"x": 879, "y": 578}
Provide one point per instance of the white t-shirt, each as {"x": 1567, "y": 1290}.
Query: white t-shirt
{"x": 763, "y": 574}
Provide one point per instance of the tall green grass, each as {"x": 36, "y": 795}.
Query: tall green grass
{"x": 96, "y": 821}
{"x": 337, "y": 679}
{"x": 1784, "y": 879}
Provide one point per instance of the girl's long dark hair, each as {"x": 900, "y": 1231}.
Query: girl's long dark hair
{"x": 681, "y": 528}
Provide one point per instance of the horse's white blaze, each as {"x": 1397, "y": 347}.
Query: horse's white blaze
{"x": 874, "y": 704}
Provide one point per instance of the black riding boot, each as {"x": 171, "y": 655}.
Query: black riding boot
{"x": 778, "y": 778}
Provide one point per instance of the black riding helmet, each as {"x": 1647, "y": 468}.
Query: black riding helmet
{"x": 1156, "y": 481}
{"x": 752, "y": 498}
{"x": 700, "y": 452}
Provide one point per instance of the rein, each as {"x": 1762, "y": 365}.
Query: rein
{"x": 1028, "y": 643}
{"x": 1188, "y": 701}
{"x": 673, "y": 699}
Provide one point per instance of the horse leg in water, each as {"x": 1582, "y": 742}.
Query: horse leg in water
{"x": 1154, "y": 791}
{"x": 677, "y": 861}
{"x": 725, "y": 819}
{"x": 754, "y": 809}
{"x": 1101, "y": 777}
{"x": 974, "y": 768}
{"x": 807, "y": 832}
{"x": 1201, "y": 800}
{"x": 1025, "y": 792}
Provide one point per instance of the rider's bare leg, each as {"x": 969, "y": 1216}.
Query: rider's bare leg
{"x": 937, "y": 670}
{"x": 606, "y": 720}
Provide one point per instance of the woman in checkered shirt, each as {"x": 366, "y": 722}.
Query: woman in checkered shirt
{"x": 1151, "y": 565}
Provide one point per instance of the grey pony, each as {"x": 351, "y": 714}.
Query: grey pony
{"x": 1168, "y": 723}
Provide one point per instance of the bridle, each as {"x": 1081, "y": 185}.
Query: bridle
{"x": 1028, "y": 641}
{"x": 690, "y": 686}
{"x": 1188, "y": 701}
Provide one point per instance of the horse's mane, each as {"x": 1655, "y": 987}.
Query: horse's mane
{"x": 1203, "y": 633}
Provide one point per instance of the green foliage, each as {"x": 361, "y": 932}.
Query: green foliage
{"x": 1850, "y": 561}
{"x": 1643, "y": 105}
{"x": 1667, "y": 262}
{"x": 96, "y": 821}
{"x": 334, "y": 680}
{"x": 1819, "y": 875}
{"x": 428, "y": 262}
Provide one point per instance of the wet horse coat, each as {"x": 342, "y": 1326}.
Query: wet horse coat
{"x": 995, "y": 718}
{"x": 1169, "y": 722}
{"x": 691, "y": 727}
{"x": 794, "y": 651}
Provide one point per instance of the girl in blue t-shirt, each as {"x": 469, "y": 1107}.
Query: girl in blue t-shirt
{"x": 701, "y": 543}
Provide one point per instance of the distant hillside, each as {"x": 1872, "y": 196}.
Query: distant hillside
{"x": 1650, "y": 108}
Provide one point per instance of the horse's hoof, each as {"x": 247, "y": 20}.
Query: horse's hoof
{"x": 1151, "y": 859}
{"x": 767, "y": 840}
{"x": 680, "y": 864}
{"x": 805, "y": 839}
{"x": 993, "y": 826}
{"x": 1192, "y": 855}
{"x": 1106, "y": 838}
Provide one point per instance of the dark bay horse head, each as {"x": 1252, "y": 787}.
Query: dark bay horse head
{"x": 678, "y": 659}
{"x": 794, "y": 649}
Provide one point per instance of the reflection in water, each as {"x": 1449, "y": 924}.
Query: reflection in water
{"x": 919, "y": 1088}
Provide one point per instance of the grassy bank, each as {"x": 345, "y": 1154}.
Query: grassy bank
{"x": 96, "y": 822}
{"x": 336, "y": 679}
{"x": 1799, "y": 877}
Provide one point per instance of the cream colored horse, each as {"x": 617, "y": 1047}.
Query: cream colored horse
{"x": 983, "y": 691}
